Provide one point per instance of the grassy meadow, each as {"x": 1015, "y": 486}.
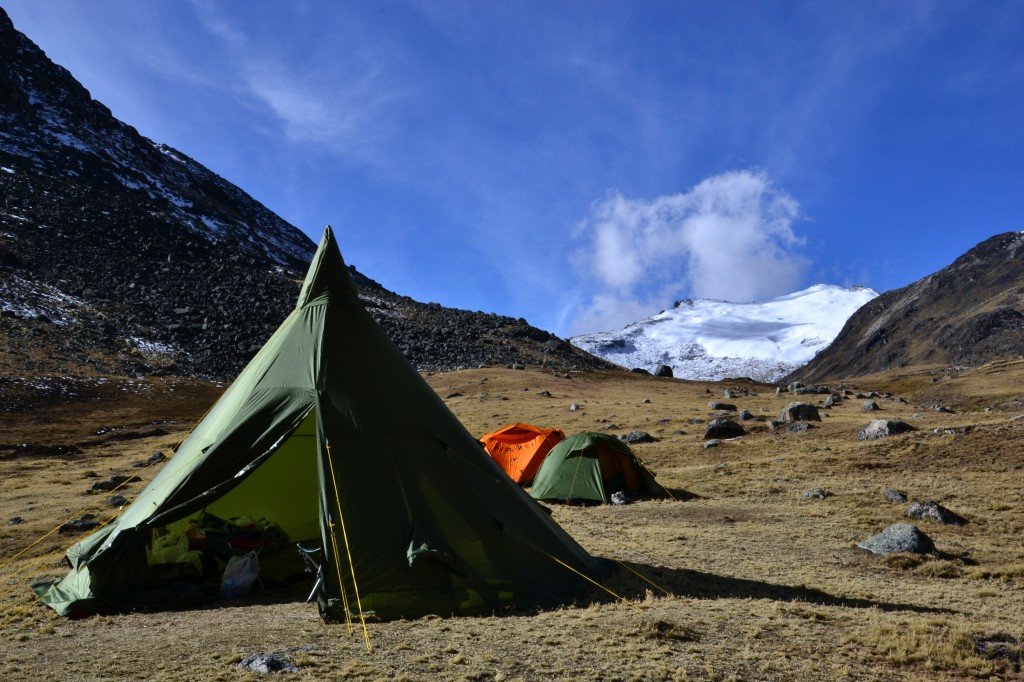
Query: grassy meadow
{"x": 739, "y": 578}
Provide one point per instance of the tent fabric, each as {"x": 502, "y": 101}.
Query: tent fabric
{"x": 589, "y": 467}
{"x": 330, "y": 416}
{"x": 520, "y": 448}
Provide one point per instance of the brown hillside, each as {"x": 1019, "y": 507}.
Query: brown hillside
{"x": 968, "y": 313}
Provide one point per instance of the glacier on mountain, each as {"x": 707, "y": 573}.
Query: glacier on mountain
{"x": 710, "y": 340}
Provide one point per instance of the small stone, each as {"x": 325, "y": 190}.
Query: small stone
{"x": 882, "y": 428}
{"x": 79, "y": 525}
{"x": 545, "y": 394}
{"x": 895, "y": 496}
{"x": 713, "y": 443}
{"x": 869, "y": 406}
{"x": 14, "y": 521}
{"x": 724, "y": 407}
{"x": 816, "y": 494}
{"x": 935, "y": 512}
{"x": 267, "y": 663}
{"x": 646, "y": 401}
{"x": 746, "y": 416}
{"x": 900, "y": 537}
{"x": 574, "y": 407}
{"x": 634, "y": 437}
{"x": 453, "y": 395}
{"x": 798, "y": 427}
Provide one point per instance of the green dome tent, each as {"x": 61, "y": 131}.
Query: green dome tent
{"x": 331, "y": 434}
{"x": 589, "y": 467}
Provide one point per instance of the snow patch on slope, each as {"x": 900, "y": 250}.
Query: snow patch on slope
{"x": 712, "y": 340}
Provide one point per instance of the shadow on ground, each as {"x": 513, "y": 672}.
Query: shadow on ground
{"x": 633, "y": 580}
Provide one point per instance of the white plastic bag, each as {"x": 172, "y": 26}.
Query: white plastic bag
{"x": 239, "y": 575}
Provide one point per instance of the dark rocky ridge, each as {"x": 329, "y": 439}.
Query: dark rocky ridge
{"x": 968, "y": 313}
{"x": 119, "y": 255}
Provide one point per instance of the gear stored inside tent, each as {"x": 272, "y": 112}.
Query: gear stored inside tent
{"x": 590, "y": 467}
{"x": 334, "y": 437}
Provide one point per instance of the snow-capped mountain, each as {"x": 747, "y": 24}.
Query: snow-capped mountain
{"x": 706, "y": 339}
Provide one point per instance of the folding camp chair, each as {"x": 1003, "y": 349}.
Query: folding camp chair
{"x": 314, "y": 566}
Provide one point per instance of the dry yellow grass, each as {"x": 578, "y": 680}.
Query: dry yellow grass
{"x": 762, "y": 585}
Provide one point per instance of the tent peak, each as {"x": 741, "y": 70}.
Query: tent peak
{"x": 327, "y": 273}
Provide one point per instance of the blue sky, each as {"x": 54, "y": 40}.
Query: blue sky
{"x": 583, "y": 164}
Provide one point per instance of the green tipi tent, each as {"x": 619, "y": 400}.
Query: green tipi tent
{"x": 330, "y": 433}
{"x": 589, "y": 467}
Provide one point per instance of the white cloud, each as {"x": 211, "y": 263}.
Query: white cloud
{"x": 730, "y": 237}
{"x": 347, "y": 117}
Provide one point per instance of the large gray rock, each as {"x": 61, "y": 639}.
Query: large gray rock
{"x": 869, "y": 406}
{"x": 882, "y": 428}
{"x": 833, "y": 400}
{"x": 663, "y": 371}
{"x": 901, "y": 537}
{"x": 795, "y": 412}
{"x": 724, "y": 407}
{"x": 934, "y": 511}
{"x": 723, "y": 428}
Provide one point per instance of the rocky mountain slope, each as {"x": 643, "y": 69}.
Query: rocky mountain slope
{"x": 967, "y": 313}
{"x": 712, "y": 340}
{"x": 122, "y": 255}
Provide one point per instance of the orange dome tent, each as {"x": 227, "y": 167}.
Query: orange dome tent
{"x": 520, "y": 448}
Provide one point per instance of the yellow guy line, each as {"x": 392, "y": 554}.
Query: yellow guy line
{"x": 348, "y": 550}
{"x": 642, "y": 577}
{"x": 341, "y": 580}
{"x": 57, "y": 527}
{"x": 577, "y": 572}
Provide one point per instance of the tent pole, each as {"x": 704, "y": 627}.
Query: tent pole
{"x": 348, "y": 550}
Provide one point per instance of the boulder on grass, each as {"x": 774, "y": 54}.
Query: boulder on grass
{"x": 882, "y": 428}
{"x": 724, "y": 407}
{"x": 800, "y": 412}
{"x": 634, "y": 437}
{"x": 935, "y": 512}
{"x": 663, "y": 371}
{"x": 898, "y": 538}
{"x": 723, "y": 428}
{"x": 895, "y": 496}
